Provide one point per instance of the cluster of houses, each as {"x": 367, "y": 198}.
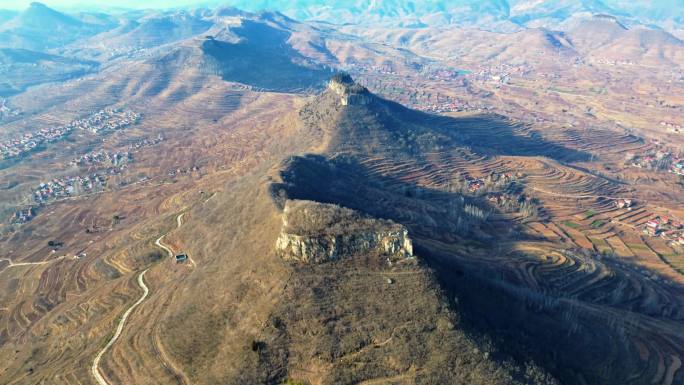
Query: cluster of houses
{"x": 146, "y": 142}
{"x": 356, "y": 67}
{"x": 114, "y": 158}
{"x": 474, "y": 185}
{"x": 23, "y": 215}
{"x": 67, "y": 187}
{"x": 500, "y": 74}
{"x": 493, "y": 182}
{"x": 398, "y": 88}
{"x": 491, "y": 75}
{"x": 668, "y": 228}
{"x": 613, "y": 62}
{"x": 101, "y": 157}
{"x": 447, "y": 106}
{"x": 29, "y": 141}
{"x": 499, "y": 198}
{"x": 108, "y": 119}
{"x": 444, "y": 104}
{"x": 181, "y": 171}
{"x": 672, "y": 127}
{"x": 658, "y": 160}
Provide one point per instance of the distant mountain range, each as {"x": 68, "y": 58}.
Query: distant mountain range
{"x": 493, "y": 14}
{"x": 42, "y": 45}
{"x": 40, "y": 27}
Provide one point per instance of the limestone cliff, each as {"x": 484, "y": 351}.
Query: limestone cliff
{"x": 350, "y": 93}
{"x": 317, "y": 232}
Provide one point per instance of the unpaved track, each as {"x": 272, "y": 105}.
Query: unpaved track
{"x": 96, "y": 362}
{"x": 158, "y": 242}
{"x": 571, "y": 196}
{"x": 163, "y": 246}
{"x": 13, "y": 264}
{"x": 181, "y": 377}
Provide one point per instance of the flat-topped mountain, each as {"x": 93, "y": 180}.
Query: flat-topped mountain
{"x": 390, "y": 162}
{"x": 317, "y": 232}
{"x": 349, "y": 91}
{"x": 213, "y": 196}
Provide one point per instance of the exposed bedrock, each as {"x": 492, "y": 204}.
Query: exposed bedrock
{"x": 318, "y": 232}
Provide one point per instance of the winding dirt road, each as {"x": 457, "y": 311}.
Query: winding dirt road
{"x": 163, "y": 246}
{"x": 96, "y": 362}
{"x": 178, "y": 373}
{"x": 571, "y": 196}
{"x": 158, "y": 242}
{"x": 14, "y": 264}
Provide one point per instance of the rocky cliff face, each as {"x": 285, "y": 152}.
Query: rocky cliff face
{"x": 350, "y": 93}
{"x": 315, "y": 232}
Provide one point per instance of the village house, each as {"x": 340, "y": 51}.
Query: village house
{"x": 475, "y": 185}
{"x": 23, "y": 216}
{"x": 652, "y": 227}
{"x": 623, "y": 203}
{"x": 105, "y": 120}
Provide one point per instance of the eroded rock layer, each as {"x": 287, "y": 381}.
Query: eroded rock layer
{"x": 318, "y": 232}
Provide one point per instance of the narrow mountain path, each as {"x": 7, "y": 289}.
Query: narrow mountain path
{"x": 95, "y": 370}
{"x": 158, "y": 242}
{"x": 571, "y": 196}
{"x": 181, "y": 377}
{"x": 178, "y": 374}
{"x": 14, "y": 264}
{"x": 96, "y": 362}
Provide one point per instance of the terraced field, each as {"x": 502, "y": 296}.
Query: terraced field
{"x": 580, "y": 261}
{"x": 515, "y": 226}
{"x": 56, "y": 314}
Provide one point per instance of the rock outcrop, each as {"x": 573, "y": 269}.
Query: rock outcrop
{"x": 350, "y": 93}
{"x": 316, "y": 232}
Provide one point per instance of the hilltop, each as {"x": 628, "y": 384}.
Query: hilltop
{"x": 214, "y": 196}
{"x": 314, "y": 327}
{"x": 39, "y": 27}
{"x": 391, "y": 162}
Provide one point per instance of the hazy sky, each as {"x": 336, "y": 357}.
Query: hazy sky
{"x": 21, "y": 4}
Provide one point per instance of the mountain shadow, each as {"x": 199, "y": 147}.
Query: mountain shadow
{"x": 20, "y": 68}
{"x": 582, "y": 318}
{"x": 259, "y": 55}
